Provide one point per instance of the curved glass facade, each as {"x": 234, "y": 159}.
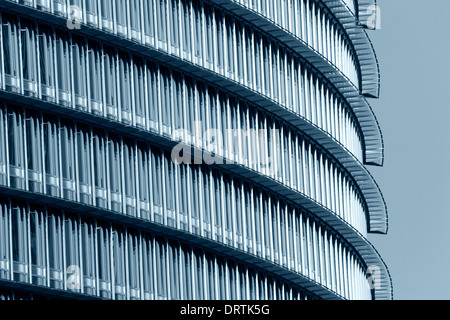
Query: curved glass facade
{"x": 93, "y": 124}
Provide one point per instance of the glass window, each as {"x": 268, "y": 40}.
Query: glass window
{"x": 2, "y": 148}
{"x": 95, "y": 79}
{"x": 19, "y": 228}
{"x": 10, "y": 52}
{"x": 275, "y": 73}
{"x": 239, "y": 51}
{"x": 139, "y": 94}
{"x": 5, "y": 242}
{"x": 125, "y": 88}
{"x": 55, "y": 250}
{"x": 178, "y": 109}
{"x": 220, "y": 33}
{"x": 118, "y": 245}
{"x": 46, "y": 64}
{"x": 153, "y": 94}
{"x": 238, "y": 201}
{"x": 186, "y": 27}
{"x": 222, "y": 279}
{"x": 59, "y": 6}
{"x": 148, "y": 270}
{"x": 72, "y": 251}
{"x": 283, "y": 83}
{"x": 84, "y": 164}
{"x": 121, "y": 16}
{"x": 209, "y": 35}
{"x": 232, "y": 280}
{"x": 134, "y": 267}
{"x": 144, "y": 182}
{"x": 169, "y": 182}
{"x": 106, "y": 7}
{"x": 63, "y": 70}
{"x": 198, "y": 36}
{"x": 206, "y": 207}
{"x": 267, "y": 228}
{"x": 115, "y": 174}
{"x": 92, "y": 11}
{"x": 51, "y": 156}
{"x": 198, "y": 273}
{"x": 218, "y": 207}
{"x": 129, "y": 159}
{"x": 88, "y": 251}
{"x": 259, "y": 226}
{"x": 241, "y": 271}
{"x": 135, "y": 19}
{"x": 37, "y": 239}
{"x": 34, "y": 154}
{"x": 157, "y": 185}
{"x": 186, "y": 272}
{"x": 68, "y": 159}
{"x": 190, "y": 101}
{"x": 258, "y": 62}
{"x": 249, "y": 51}
{"x": 174, "y": 25}
{"x": 161, "y": 271}
{"x": 16, "y": 149}
{"x": 110, "y": 78}
{"x": 29, "y": 59}
{"x": 202, "y": 112}
{"x": 266, "y": 65}
{"x": 100, "y": 176}
{"x": 183, "y": 196}
{"x": 229, "y": 209}
{"x": 149, "y": 28}
{"x": 245, "y": 134}
{"x": 249, "y": 223}
{"x": 104, "y": 260}
{"x": 275, "y": 214}
{"x": 230, "y": 45}
{"x": 166, "y": 101}
{"x": 174, "y": 274}
{"x": 161, "y": 15}
{"x": 196, "y": 190}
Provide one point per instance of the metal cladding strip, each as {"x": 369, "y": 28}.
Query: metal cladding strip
{"x": 377, "y": 215}
{"x": 354, "y": 27}
{"x": 277, "y": 271}
{"x": 373, "y": 138}
{"x": 349, "y": 233}
{"x": 57, "y": 294}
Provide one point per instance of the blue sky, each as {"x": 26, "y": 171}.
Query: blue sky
{"x": 413, "y": 48}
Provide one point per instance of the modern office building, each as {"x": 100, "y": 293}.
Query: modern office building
{"x": 104, "y": 102}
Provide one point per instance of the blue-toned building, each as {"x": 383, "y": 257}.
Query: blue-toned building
{"x": 96, "y": 98}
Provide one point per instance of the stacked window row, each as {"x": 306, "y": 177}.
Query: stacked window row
{"x": 108, "y": 84}
{"x": 194, "y": 26}
{"x": 65, "y": 251}
{"x": 78, "y": 163}
{"x": 309, "y": 22}
{"x": 67, "y": 159}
